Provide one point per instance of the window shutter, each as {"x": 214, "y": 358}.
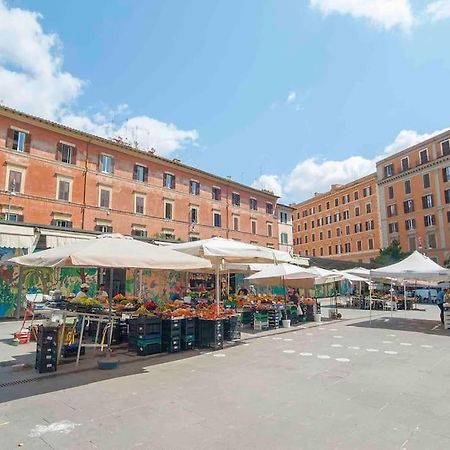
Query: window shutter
{"x": 74, "y": 156}
{"x": 69, "y": 224}
{"x": 9, "y": 138}
{"x": 27, "y": 142}
{"x": 112, "y": 164}
{"x": 97, "y": 228}
{"x": 424, "y": 202}
{"x": 58, "y": 151}
{"x": 444, "y": 175}
{"x": 99, "y": 164}
{"x": 172, "y": 185}
{"x": 146, "y": 174}
{"x": 135, "y": 171}
{"x": 20, "y": 218}
{"x": 53, "y": 223}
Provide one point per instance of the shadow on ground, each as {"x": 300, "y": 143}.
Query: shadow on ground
{"x": 399, "y": 324}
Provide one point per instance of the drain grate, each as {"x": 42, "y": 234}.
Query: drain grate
{"x": 25, "y": 381}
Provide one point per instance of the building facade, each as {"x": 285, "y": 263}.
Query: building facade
{"x": 342, "y": 223}
{"x": 414, "y": 192}
{"x": 55, "y": 175}
{"x": 285, "y": 235}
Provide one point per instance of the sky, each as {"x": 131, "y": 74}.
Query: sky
{"x": 289, "y": 96}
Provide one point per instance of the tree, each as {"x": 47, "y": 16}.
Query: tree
{"x": 391, "y": 254}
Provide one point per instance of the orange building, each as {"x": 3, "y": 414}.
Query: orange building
{"x": 414, "y": 191}
{"x": 341, "y": 223}
{"x": 55, "y": 175}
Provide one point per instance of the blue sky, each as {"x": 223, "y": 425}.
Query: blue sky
{"x": 290, "y": 95}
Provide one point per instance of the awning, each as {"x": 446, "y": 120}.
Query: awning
{"x": 58, "y": 238}
{"x": 13, "y": 236}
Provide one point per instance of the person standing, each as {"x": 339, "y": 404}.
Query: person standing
{"x": 441, "y": 298}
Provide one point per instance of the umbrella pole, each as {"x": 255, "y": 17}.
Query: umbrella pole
{"x": 111, "y": 276}
{"x": 218, "y": 288}
{"x": 404, "y": 294}
{"x": 392, "y": 300}
{"x": 370, "y": 300}
{"x": 228, "y": 283}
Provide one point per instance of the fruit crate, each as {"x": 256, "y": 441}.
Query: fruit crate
{"x": 247, "y": 317}
{"x": 47, "y": 335}
{"x": 274, "y": 317}
{"x": 144, "y": 326}
{"x": 143, "y": 342}
{"x": 145, "y": 350}
{"x": 188, "y": 325}
{"x": 210, "y": 333}
{"x": 188, "y": 342}
{"x": 231, "y": 328}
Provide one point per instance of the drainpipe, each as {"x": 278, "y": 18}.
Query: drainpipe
{"x": 83, "y": 210}
{"x": 228, "y": 210}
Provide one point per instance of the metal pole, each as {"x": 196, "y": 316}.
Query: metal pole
{"x": 370, "y": 298}
{"x": 80, "y": 341}
{"x": 392, "y": 300}
{"x": 404, "y": 294}
{"x": 228, "y": 283}
{"x": 218, "y": 287}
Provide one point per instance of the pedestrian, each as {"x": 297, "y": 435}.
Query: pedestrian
{"x": 84, "y": 289}
{"x": 441, "y": 298}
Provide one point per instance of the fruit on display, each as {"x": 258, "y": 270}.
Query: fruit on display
{"x": 86, "y": 301}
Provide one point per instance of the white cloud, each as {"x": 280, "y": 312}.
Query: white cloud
{"x": 291, "y": 97}
{"x": 270, "y": 183}
{"x": 385, "y": 13}
{"x": 317, "y": 175}
{"x": 438, "y": 10}
{"x": 32, "y": 79}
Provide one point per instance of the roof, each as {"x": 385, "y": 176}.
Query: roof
{"x": 336, "y": 190}
{"x": 282, "y": 205}
{"x": 339, "y": 264}
{"x": 124, "y": 147}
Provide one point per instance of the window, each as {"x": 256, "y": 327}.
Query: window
{"x": 19, "y": 140}
{"x": 66, "y": 153}
{"x": 61, "y": 223}
{"x": 299, "y": 227}
{"x": 140, "y": 173}
{"x": 329, "y": 234}
{"x": 193, "y": 215}
{"x": 412, "y": 243}
{"x": 429, "y": 220}
{"x": 356, "y": 195}
{"x": 410, "y": 224}
{"x": 15, "y": 181}
{"x": 168, "y": 210}
{"x": 299, "y": 241}
{"x": 446, "y": 174}
{"x": 391, "y": 192}
{"x": 236, "y": 223}
{"x": 312, "y": 210}
{"x": 253, "y": 226}
{"x": 306, "y": 239}
{"x": 448, "y": 216}
{"x": 427, "y": 201}
{"x": 447, "y": 196}
{"x": 269, "y": 208}
{"x": 392, "y": 210}
{"x": 423, "y": 156}
{"x": 304, "y": 213}
{"x": 104, "y": 228}
{"x": 357, "y": 211}
{"x": 426, "y": 181}
{"x": 320, "y": 236}
{"x": 393, "y": 227}
{"x": 336, "y": 202}
{"x": 370, "y": 225}
{"x": 194, "y": 187}
{"x": 254, "y": 205}
{"x": 431, "y": 238}
{"x": 321, "y": 251}
{"x": 407, "y": 187}
{"x": 405, "y": 163}
{"x": 346, "y": 214}
{"x": 106, "y": 163}
{"x": 330, "y": 252}
{"x": 312, "y": 224}
{"x": 217, "y": 219}
{"x": 368, "y": 208}
{"x": 359, "y": 246}
{"x": 337, "y": 217}
{"x": 367, "y": 191}
{"x": 139, "y": 204}
{"x": 64, "y": 189}
{"x": 269, "y": 229}
{"x": 138, "y": 232}
{"x": 338, "y": 232}
{"x": 320, "y": 221}
{"x": 347, "y": 230}
{"x": 320, "y": 208}
{"x": 338, "y": 249}
{"x": 105, "y": 197}
{"x": 328, "y": 205}
{"x": 358, "y": 227}
{"x": 216, "y": 193}
{"x": 445, "y": 148}
{"x": 169, "y": 180}
{"x": 347, "y": 247}
{"x": 370, "y": 243}
{"x": 408, "y": 206}
{"x": 284, "y": 238}
{"x": 305, "y": 226}
{"x": 388, "y": 170}
{"x": 284, "y": 216}
{"x": 346, "y": 199}
{"x": 327, "y": 220}
{"x": 235, "y": 199}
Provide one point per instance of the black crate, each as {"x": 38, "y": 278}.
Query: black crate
{"x": 209, "y": 333}
{"x": 150, "y": 349}
{"x": 46, "y": 348}
{"x": 231, "y": 328}
{"x": 172, "y": 344}
{"x": 71, "y": 351}
{"x": 188, "y": 326}
{"x": 44, "y": 358}
{"x": 142, "y": 326}
{"x": 47, "y": 335}
{"x": 45, "y": 368}
{"x": 172, "y": 327}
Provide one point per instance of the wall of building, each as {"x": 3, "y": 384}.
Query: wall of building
{"x": 37, "y": 200}
{"x": 412, "y": 175}
{"x": 285, "y": 234}
{"x": 330, "y": 224}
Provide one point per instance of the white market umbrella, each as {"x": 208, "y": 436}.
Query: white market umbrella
{"x": 220, "y": 251}
{"x": 360, "y": 271}
{"x": 113, "y": 251}
{"x": 274, "y": 273}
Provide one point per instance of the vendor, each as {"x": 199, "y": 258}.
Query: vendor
{"x": 243, "y": 291}
{"x": 102, "y": 296}
{"x": 84, "y": 289}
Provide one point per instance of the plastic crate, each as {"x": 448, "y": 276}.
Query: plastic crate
{"x": 172, "y": 345}
{"x": 247, "y": 317}
{"x": 140, "y": 342}
{"x": 143, "y": 326}
{"x": 210, "y": 334}
{"x": 150, "y": 349}
{"x": 188, "y": 325}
